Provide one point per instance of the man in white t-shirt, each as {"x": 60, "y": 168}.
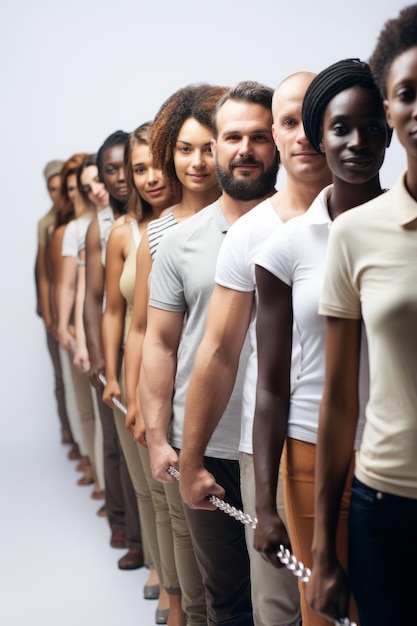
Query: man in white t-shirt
{"x": 232, "y": 311}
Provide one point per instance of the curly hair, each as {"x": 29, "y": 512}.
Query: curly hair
{"x": 197, "y": 101}
{"x": 325, "y": 86}
{"x": 136, "y": 205}
{"x": 397, "y": 36}
{"x": 246, "y": 91}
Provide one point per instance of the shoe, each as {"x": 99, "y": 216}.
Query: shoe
{"x": 102, "y": 512}
{"x": 82, "y": 464}
{"x": 151, "y": 592}
{"x": 118, "y": 539}
{"x": 132, "y": 560}
{"x": 98, "y": 495}
{"x": 85, "y": 480}
{"x": 161, "y": 616}
{"x": 74, "y": 453}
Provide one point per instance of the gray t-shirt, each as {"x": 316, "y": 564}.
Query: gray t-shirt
{"x": 182, "y": 279}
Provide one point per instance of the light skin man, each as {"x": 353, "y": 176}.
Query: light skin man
{"x": 246, "y": 163}
{"x": 231, "y": 313}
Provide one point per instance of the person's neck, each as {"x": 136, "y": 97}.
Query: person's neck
{"x": 119, "y": 208}
{"x": 233, "y": 209}
{"x": 411, "y": 177}
{"x": 297, "y": 196}
{"x": 192, "y": 202}
{"x": 345, "y": 196}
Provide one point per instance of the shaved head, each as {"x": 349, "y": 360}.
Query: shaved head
{"x": 292, "y": 86}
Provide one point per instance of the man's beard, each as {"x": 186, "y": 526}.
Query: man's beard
{"x": 246, "y": 189}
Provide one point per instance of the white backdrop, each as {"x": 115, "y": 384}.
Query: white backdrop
{"x": 72, "y": 73}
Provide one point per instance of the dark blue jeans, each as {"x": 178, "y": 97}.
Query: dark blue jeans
{"x": 383, "y": 556}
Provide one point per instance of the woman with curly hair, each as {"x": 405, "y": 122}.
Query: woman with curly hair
{"x": 370, "y": 278}
{"x": 180, "y": 142}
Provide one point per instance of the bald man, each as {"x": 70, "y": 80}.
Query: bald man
{"x": 231, "y": 314}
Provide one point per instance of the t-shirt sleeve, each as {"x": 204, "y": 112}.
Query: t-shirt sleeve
{"x": 233, "y": 268}
{"x": 340, "y": 294}
{"x": 275, "y": 255}
{"x": 166, "y": 285}
{"x": 69, "y": 241}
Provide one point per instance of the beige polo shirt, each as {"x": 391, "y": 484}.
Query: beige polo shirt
{"x": 371, "y": 272}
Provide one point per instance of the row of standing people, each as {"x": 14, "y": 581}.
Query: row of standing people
{"x": 223, "y": 338}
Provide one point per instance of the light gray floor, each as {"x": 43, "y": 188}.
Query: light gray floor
{"x": 56, "y": 565}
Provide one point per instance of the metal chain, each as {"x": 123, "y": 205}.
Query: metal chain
{"x": 289, "y": 560}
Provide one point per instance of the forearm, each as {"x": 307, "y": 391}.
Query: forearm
{"x": 269, "y": 431}
{"x": 333, "y": 460}
{"x": 133, "y": 359}
{"x": 156, "y": 387}
{"x": 66, "y": 306}
{"x": 92, "y": 318}
{"x": 112, "y": 334}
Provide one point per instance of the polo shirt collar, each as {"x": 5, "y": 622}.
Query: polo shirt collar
{"x": 405, "y": 207}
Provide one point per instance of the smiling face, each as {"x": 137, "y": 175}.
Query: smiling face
{"x": 245, "y": 152}
{"x": 401, "y": 102}
{"x": 148, "y": 179}
{"x": 114, "y": 173}
{"x": 93, "y": 188}
{"x": 193, "y": 159}
{"x": 355, "y": 135}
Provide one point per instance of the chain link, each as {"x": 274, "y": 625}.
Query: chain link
{"x": 289, "y": 560}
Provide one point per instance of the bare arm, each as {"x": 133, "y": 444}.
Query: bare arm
{"x": 115, "y": 311}
{"x": 81, "y": 360}
{"x": 156, "y": 386}
{"x": 66, "y": 301}
{"x": 210, "y": 388}
{"x": 55, "y": 267}
{"x": 134, "y": 340}
{"x": 274, "y": 341}
{"x": 94, "y": 292}
{"x": 328, "y": 591}
{"x": 43, "y": 288}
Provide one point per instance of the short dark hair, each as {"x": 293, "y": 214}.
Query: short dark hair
{"x": 397, "y": 36}
{"x": 245, "y": 91}
{"x": 325, "y": 86}
{"x": 197, "y": 101}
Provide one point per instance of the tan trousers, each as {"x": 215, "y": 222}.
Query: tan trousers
{"x": 298, "y": 463}
{"x": 154, "y": 515}
{"x": 275, "y": 596}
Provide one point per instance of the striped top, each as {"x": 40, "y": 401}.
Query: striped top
{"x": 156, "y": 230}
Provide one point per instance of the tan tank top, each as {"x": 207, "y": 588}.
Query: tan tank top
{"x": 127, "y": 277}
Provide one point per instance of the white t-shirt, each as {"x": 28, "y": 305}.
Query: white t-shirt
{"x": 75, "y": 234}
{"x": 236, "y": 270}
{"x": 296, "y": 255}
